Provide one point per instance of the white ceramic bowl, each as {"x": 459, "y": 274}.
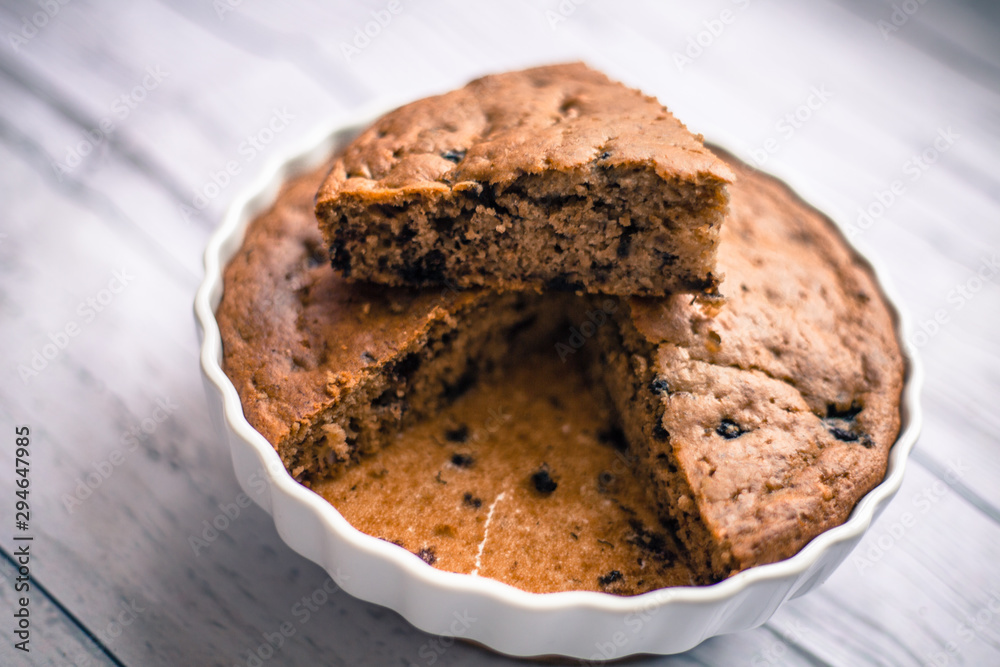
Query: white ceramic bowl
{"x": 581, "y": 624}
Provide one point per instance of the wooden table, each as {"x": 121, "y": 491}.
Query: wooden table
{"x": 126, "y": 128}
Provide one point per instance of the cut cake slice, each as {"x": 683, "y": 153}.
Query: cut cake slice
{"x": 554, "y": 177}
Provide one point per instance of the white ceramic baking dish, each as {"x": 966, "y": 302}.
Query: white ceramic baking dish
{"x": 584, "y": 625}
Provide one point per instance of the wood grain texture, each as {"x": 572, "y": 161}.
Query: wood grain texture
{"x": 921, "y": 589}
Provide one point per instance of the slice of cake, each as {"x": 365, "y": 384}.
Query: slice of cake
{"x": 554, "y": 177}
{"x": 760, "y": 425}
{"x": 327, "y": 371}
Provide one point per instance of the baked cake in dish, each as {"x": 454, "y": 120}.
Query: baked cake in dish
{"x": 670, "y": 442}
{"x": 551, "y": 178}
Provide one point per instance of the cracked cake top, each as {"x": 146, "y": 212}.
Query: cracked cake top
{"x": 558, "y": 117}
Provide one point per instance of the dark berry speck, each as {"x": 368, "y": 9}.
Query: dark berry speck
{"x": 610, "y": 578}
{"x": 458, "y": 434}
{"x": 462, "y": 460}
{"x": 843, "y": 435}
{"x": 543, "y": 481}
{"x": 729, "y": 429}
{"x": 659, "y": 386}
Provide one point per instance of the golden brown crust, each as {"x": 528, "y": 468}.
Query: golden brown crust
{"x": 559, "y": 117}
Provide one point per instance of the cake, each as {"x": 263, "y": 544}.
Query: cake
{"x": 745, "y": 427}
{"x": 550, "y": 178}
